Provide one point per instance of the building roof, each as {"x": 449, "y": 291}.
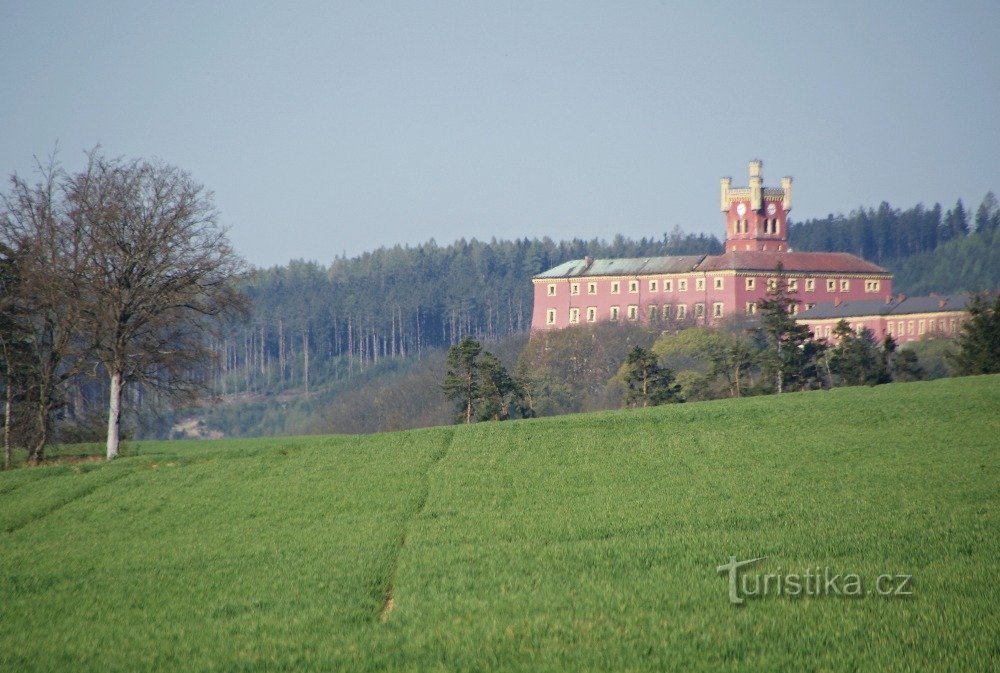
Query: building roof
{"x": 793, "y": 262}
{"x": 750, "y": 260}
{"x": 626, "y": 266}
{"x": 900, "y": 305}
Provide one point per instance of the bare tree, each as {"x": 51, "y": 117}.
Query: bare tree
{"x": 47, "y": 251}
{"x": 161, "y": 274}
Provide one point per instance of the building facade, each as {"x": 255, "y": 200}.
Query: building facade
{"x": 903, "y": 318}
{"x": 702, "y": 289}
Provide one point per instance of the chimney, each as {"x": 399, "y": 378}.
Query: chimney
{"x": 587, "y": 262}
{"x": 901, "y": 298}
{"x": 942, "y": 302}
{"x": 888, "y": 299}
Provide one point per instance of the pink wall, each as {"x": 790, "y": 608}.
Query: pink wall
{"x": 734, "y": 295}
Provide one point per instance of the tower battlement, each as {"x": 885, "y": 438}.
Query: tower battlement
{"x": 756, "y": 216}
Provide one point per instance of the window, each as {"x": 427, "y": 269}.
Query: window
{"x": 717, "y": 309}
{"x": 809, "y": 306}
{"x": 751, "y": 308}
{"x": 827, "y": 330}
{"x": 922, "y": 327}
{"x": 633, "y": 312}
{"x": 845, "y": 285}
{"x": 810, "y": 284}
{"x": 871, "y": 285}
{"x": 772, "y": 284}
{"x": 793, "y": 309}
{"x": 654, "y": 286}
{"x": 552, "y": 289}
{"x": 668, "y": 286}
{"x": 616, "y": 287}
{"x": 699, "y": 310}
{"x": 574, "y": 288}
{"x": 900, "y": 328}
{"x": 951, "y": 326}
{"x": 793, "y": 284}
{"x": 699, "y": 284}
{"x": 591, "y": 288}
{"x": 633, "y": 286}
{"x": 666, "y": 311}
{"x": 941, "y": 325}
{"x": 718, "y": 283}
{"x": 574, "y": 315}
{"x": 888, "y": 328}
{"x": 930, "y": 326}
{"x": 614, "y": 313}
{"x": 751, "y": 282}
{"x": 682, "y": 285}
{"x": 909, "y": 328}
{"x": 681, "y": 311}
{"x": 550, "y": 317}
{"x": 831, "y": 285}
{"x": 591, "y": 314}
{"x": 652, "y": 312}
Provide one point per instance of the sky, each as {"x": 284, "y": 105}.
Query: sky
{"x": 328, "y": 128}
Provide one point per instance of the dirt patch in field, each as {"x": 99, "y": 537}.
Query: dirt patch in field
{"x": 387, "y": 608}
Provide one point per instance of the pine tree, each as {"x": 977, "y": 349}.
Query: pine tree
{"x": 647, "y": 383}
{"x": 979, "y": 342}
{"x": 857, "y": 358}
{"x": 790, "y": 357}
{"x": 462, "y": 383}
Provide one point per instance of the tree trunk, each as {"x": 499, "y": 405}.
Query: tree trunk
{"x": 8, "y": 409}
{"x": 36, "y": 452}
{"x": 114, "y": 415}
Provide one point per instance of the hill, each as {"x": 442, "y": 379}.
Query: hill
{"x": 587, "y": 542}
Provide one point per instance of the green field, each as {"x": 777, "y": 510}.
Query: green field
{"x": 580, "y": 543}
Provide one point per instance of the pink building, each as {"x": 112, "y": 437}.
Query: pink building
{"x": 903, "y": 318}
{"x": 699, "y": 289}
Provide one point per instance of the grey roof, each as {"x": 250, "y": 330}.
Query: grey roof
{"x": 899, "y": 305}
{"x": 628, "y": 266}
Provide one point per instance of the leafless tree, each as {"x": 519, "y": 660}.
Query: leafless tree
{"x": 47, "y": 249}
{"x": 160, "y": 274}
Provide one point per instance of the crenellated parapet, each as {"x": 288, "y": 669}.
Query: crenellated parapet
{"x": 756, "y": 216}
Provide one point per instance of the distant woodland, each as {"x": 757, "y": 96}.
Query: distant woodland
{"x": 358, "y": 345}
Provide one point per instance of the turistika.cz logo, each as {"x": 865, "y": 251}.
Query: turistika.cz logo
{"x": 814, "y": 582}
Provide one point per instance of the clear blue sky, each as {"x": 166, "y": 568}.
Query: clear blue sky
{"x": 326, "y": 127}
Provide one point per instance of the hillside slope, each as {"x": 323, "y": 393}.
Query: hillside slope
{"x": 586, "y": 542}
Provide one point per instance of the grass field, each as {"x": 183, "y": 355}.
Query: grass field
{"x": 582, "y": 543}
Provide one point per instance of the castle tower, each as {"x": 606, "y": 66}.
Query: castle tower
{"x": 756, "y": 216}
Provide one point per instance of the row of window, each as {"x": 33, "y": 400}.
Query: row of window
{"x": 871, "y": 285}
{"x": 942, "y": 325}
{"x": 653, "y": 312}
{"x": 904, "y": 328}
{"x": 771, "y": 226}
{"x": 633, "y": 286}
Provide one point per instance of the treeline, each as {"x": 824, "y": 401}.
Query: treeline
{"x": 886, "y": 234}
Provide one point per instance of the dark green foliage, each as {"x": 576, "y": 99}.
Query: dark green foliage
{"x": 968, "y": 264}
{"x": 979, "y": 341}
{"x": 790, "y": 358}
{"x": 647, "y": 383}
{"x": 462, "y": 382}
{"x": 479, "y": 384}
{"x": 857, "y": 359}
